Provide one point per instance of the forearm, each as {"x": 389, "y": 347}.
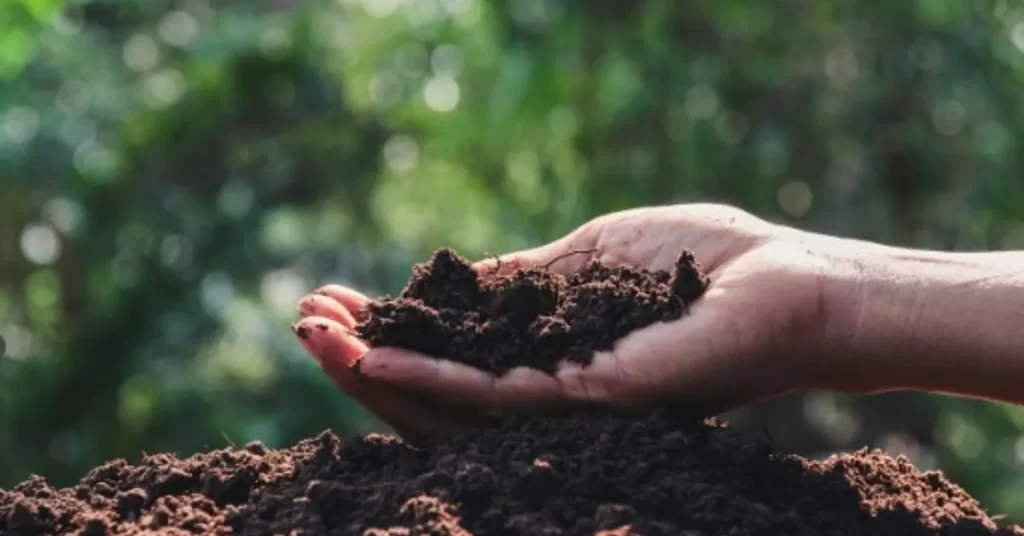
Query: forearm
{"x": 918, "y": 320}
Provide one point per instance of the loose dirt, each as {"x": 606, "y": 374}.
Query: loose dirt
{"x": 532, "y": 317}
{"x": 586, "y": 474}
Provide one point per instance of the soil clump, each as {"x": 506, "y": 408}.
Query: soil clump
{"x": 533, "y": 317}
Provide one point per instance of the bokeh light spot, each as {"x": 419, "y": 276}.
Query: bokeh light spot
{"x": 176, "y": 252}
{"x": 442, "y": 93}
{"x": 164, "y": 89}
{"x": 771, "y": 153}
{"x": 282, "y": 289}
{"x": 380, "y": 8}
{"x": 795, "y": 198}
{"x": 401, "y": 153}
{"x": 275, "y": 43}
{"x": 178, "y": 28}
{"x": 141, "y": 53}
{"x": 992, "y": 138}
{"x": 701, "y": 102}
{"x": 236, "y": 199}
{"x": 95, "y": 161}
{"x": 457, "y": 7}
{"x": 77, "y": 130}
{"x": 216, "y": 292}
{"x": 841, "y": 67}
{"x": 563, "y": 122}
{"x": 838, "y": 424}
{"x": 19, "y": 341}
{"x": 962, "y": 435}
{"x": 74, "y": 96}
{"x": 40, "y": 244}
{"x": 447, "y": 60}
{"x": 422, "y": 12}
{"x": 67, "y": 21}
{"x": 533, "y": 13}
{"x": 65, "y": 214}
{"x": 21, "y": 124}
{"x": 1017, "y": 36}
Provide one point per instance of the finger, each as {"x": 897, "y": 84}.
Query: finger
{"x": 328, "y": 341}
{"x": 607, "y": 381}
{"x": 352, "y": 300}
{"x": 460, "y": 385}
{"x": 335, "y": 350}
{"x": 565, "y": 255}
{"x": 686, "y": 365}
{"x": 323, "y": 306}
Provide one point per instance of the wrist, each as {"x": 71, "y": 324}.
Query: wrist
{"x": 902, "y": 319}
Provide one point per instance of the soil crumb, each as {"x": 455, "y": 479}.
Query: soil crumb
{"x": 587, "y": 475}
{"x": 531, "y": 317}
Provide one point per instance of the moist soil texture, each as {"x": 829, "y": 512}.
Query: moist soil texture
{"x": 583, "y": 474}
{"x": 532, "y": 317}
{"x": 589, "y": 475}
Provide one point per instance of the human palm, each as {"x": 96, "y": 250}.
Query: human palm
{"x": 744, "y": 340}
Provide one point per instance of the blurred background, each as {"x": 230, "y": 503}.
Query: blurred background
{"x": 175, "y": 175}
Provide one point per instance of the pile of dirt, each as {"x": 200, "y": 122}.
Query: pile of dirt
{"x": 585, "y": 474}
{"x": 532, "y": 317}
{"x": 589, "y": 475}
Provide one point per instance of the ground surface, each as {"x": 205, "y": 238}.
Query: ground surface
{"x": 588, "y": 474}
{"x": 531, "y": 477}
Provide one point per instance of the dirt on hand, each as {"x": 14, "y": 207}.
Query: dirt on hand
{"x": 584, "y": 474}
{"x": 532, "y": 317}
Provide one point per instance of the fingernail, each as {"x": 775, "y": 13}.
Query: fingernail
{"x": 302, "y": 331}
{"x": 306, "y": 305}
{"x": 367, "y": 365}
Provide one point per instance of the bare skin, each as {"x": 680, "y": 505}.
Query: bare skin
{"x": 787, "y": 310}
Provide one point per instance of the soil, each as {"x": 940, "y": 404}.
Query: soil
{"x": 532, "y": 317}
{"x": 585, "y": 474}
{"x": 593, "y": 474}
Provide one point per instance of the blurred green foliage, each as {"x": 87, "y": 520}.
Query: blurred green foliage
{"x": 174, "y": 175}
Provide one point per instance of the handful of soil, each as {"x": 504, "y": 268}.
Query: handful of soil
{"x": 532, "y": 317}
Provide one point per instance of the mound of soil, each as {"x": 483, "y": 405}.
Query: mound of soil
{"x": 589, "y": 475}
{"x": 532, "y": 317}
{"x": 586, "y": 474}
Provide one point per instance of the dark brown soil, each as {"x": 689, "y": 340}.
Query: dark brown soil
{"x": 541, "y": 476}
{"x": 588, "y": 474}
{"x": 532, "y": 317}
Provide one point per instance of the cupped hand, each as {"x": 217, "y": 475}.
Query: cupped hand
{"x": 324, "y": 330}
{"x": 754, "y": 334}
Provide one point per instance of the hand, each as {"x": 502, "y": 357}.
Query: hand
{"x": 328, "y": 315}
{"x": 751, "y": 336}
